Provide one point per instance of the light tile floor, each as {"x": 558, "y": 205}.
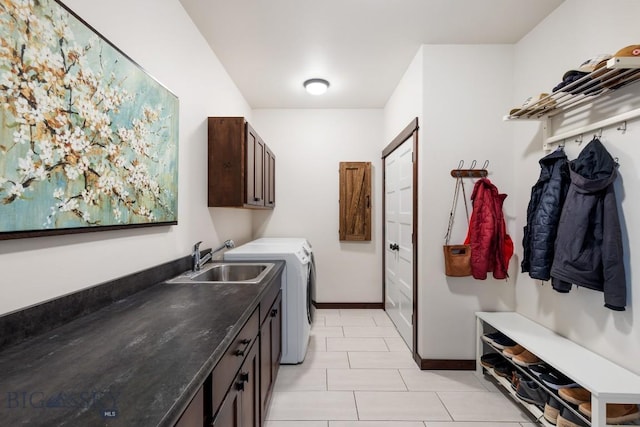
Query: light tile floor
{"x": 358, "y": 372}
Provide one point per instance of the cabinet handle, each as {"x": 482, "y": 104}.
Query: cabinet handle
{"x": 240, "y": 352}
{"x": 244, "y": 377}
{"x": 240, "y": 386}
{"x": 274, "y": 312}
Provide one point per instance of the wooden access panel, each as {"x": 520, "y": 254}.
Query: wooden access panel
{"x": 355, "y": 201}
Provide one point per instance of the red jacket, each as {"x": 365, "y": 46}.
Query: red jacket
{"x": 491, "y": 246}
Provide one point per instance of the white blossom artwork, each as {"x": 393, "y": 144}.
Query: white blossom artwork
{"x": 88, "y": 140}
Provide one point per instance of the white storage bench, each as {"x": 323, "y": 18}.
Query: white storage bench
{"x": 607, "y": 382}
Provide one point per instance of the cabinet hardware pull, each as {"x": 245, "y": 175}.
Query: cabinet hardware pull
{"x": 244, "y": 377}
{"x": 274, "y": 312}
{"x": 240, "y": 386}
{"x": 240, "y": 352}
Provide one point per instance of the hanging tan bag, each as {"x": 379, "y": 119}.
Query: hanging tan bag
{"x": 457, "y": 258}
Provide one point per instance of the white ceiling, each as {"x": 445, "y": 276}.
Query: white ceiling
{"x": 363, "y": 47}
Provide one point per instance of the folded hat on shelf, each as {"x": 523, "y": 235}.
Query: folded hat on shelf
{"x": 534, "y": 105}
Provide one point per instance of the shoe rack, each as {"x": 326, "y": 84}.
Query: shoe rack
{"x": 607, "y": 382}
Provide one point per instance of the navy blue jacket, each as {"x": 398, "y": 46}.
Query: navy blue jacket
{"x": 543, "y": 215}
{"x": 588, "y": 249}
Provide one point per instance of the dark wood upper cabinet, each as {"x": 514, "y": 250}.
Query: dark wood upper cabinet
{"x": 355, "y": 201}
{"x": 241, "y": 168}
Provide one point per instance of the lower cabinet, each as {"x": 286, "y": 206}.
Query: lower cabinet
{"x": 238, "y": 390}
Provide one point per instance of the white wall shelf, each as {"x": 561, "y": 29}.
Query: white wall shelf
{"x": 607, "y": 382}
{"x": 618, "y": 72}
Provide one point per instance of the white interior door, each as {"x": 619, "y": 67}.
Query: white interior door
{"x": 399, "y": 239}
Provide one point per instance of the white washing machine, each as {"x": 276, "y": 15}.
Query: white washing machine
{"x": 311, "y": 282}
{"x": 296, "y": 319}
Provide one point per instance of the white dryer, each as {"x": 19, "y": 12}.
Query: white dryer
{"x": 296, "y": 321}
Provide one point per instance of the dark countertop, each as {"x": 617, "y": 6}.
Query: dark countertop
{"x": 141, "y": 359}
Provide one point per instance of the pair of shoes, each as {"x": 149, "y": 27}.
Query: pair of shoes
{"x": 552, "y": 410}
{"x": 575, "y": 395}
{"x": 531, "y": 392}
{"x": 509, "y": 352}
{"x": 555, "y": 380}
{"x": 498, "y": 340}
{"x": 568, "y": 419}
{"x": 489, "y": 360}
{"x": 526, "y": 358}
{"x": 617, "y": 413}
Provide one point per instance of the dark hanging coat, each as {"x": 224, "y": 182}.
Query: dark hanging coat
{"x": 588, "y": 249}
{"x": 491, "y": 246}
{"x": 543, "y": 215}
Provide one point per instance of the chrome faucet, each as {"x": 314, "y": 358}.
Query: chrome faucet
{"x": 197, "y": 261}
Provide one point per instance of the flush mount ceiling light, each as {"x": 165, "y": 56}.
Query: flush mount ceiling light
{"x": 316, "y": 86}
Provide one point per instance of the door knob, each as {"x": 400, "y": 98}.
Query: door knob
{"x": 394, "y": 246}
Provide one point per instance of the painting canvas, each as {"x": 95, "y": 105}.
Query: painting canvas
{"x": 88, "y": 140}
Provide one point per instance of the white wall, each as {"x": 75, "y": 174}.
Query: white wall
{"x": 309, "y": 145}
{"x": 556, "y": 45}
{"x": 466, "y": 90}
{"x": 160, "y": 37}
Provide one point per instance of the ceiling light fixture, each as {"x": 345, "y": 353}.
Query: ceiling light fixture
{"x": 316, "y": 86}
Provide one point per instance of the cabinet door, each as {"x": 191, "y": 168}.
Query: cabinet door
{"x": 269, "y": 178}
{"x": 270, "y": 351}
{"x": 255, "y": 168}
{"x": 276, "y": 337}
{"x": 230, "y": 413}
{"x": 249, "y": 377}
{"x": 193, "y": 416}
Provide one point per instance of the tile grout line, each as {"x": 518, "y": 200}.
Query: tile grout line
{"x": 444, "y": 406}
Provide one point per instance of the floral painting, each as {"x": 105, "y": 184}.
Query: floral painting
{"x": 88, "y": 140}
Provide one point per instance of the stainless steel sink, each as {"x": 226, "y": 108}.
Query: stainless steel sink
{"x": 248, "y": 273}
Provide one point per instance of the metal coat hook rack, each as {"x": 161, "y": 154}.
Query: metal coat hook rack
{"x": 580, "y": 137}
{"x": 471, "y": 172}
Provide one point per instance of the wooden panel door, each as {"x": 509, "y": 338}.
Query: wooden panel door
{"x": 355, "y": 201}
{"x": 254, "y": 168}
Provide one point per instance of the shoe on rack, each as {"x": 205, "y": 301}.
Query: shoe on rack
{"x": 552, "y": 410}
{"x": 515, "y": 380}
{"x": 617, "y": 413}
{"x": 498, "y": 340}
{"x": 503, "y": 369}
{"x": 526, "y": 358}
{"x": 489, "y": 360}
{"x": 512, "y": 351}
{"x": 568, "y": 419}
{"x": 538, "y": 370}
{"x": 575, "y": 395}
{"x": 531, "y": 392}
{"x": 556, "y": 380}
